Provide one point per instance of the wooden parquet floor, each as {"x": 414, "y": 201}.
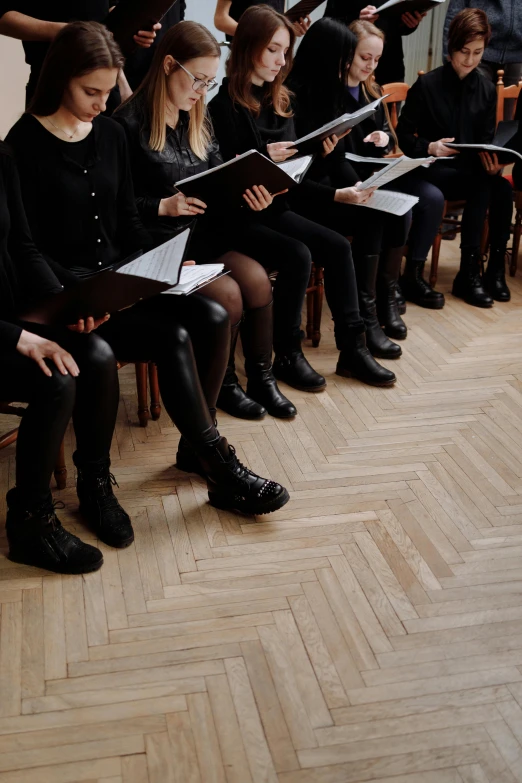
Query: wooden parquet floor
{"x": 369, "y": 631}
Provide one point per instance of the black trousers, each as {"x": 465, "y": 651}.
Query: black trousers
{"x": 426, "y": 215}
{"x": 482, "y": 191}
{"x": 287, "y": 242}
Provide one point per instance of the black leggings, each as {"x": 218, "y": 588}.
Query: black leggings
{"x": 482, "y": 192}
{"x": 91, "y": 399}
{"x": 288, "y": 242}
{"x": 426, "y": 215}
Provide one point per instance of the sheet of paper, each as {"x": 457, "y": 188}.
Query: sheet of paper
{"x": 396, "y": 167}
{"x": 193, "y": 277}
{"x": 488, "y": 147}
{"x": 363, "y": 159}
{"x": 296, "y": 168}
{"x": 160, "y": 264}
{"x": 391, "y": 201}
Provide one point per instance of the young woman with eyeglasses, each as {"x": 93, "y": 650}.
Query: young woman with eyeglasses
{"x": 170, "y": 138}
{"x": 77, "y": 188}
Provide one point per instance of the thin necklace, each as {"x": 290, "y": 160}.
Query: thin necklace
{"x": 66, "y": 133}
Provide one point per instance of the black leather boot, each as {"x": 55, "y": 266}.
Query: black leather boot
{"x": 232, "y": 398}
{"x": 256, "y": 339}
{"x": 234, "y": 487}
{"x": 376, "y": 341}
{"x": 36, "y": 538}
{"x": 417, "y": 290}
{"x": 99, "y": 505}
{"x": 291, "y": 367}
{"x": 356, "y": 361}
{"x": 468, "y": 282}
{"x": 388, "y": 273}
{"x": 187, "y": 460}
{"x": 401, "y": 301}
{"x": 494, "y": 277}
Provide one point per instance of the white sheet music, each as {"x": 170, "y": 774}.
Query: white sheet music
{"x": 363, "y": 159}
{"x": 488, "y": 147}
{"x": 391, "y": 201}
{"x": 296, "y": 168}
{"x": 395, "y": 168}
{"x": 193, "y": 277}
{"x": 162, "y": 263}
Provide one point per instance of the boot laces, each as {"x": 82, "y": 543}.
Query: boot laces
{"x": 53, "y": 527}
{"x": 107, "y": 500}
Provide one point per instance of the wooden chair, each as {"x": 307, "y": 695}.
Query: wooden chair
{"x": 511, "y": 93}
{"x": 314, "y": 305}
{"x": 147, "y": 377}
{"x": 398, "y": 92}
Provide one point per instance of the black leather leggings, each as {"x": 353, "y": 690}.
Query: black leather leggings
{"x": 91, "y": 399}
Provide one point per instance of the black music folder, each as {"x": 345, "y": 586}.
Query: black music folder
{"x": 129, "y": 16}
{"x": 124, "y": 284}
{"x": 400, "y": 7}
{"x": 230, "y": 180}
{"x": 503, "y": 144}
{"x": 302, "y": 9}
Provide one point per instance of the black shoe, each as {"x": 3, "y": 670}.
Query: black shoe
{"x": 356, "y": 361}
{"x": 376, "y": 341}
{"x": 468, "y": 282}
{"x": 292, "y": 368}
{"x": 417, "y": 290}
{"x": 494, "y": 278}
{"x": 401, "y": 301}
{"x": 99, "y": 505}
{"x": 232, "y": 398}
{"x": 187, "y": 460}
{"x": 256, "y": 339}
{"x": 386, "y": 287}
{"x": 37, "y": 538}
{"x": 234, "y": 487}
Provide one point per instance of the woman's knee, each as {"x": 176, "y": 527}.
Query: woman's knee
{"x": 58, "y": 389}
{"x": 95, "y": 353}
{"x": 226, "y": 294}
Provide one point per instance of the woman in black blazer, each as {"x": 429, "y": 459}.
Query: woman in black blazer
{"x": 454, "y": 103}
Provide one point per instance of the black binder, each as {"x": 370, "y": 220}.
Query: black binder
{"x": 129, "y": 16}
{"x": 409, "y": 6}
{"x": 302, "y": 9}
{"x": 312, "y": 142}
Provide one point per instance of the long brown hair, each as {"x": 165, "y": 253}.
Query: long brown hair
{"x": 255, "y": 30}
{"x": 183, "y": 42}
{"x": 79, "y": 48}
{"x": 371, "y": 90}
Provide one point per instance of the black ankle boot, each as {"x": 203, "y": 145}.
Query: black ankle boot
{"x": 291, "y": 367}
{"x": 356, "y": 361}
{"x": 234, "y": 487}
{"x": 256, "y": 339}
{"x": 187, "y": 460}
{"x": 387, "y": 310}
{"x": 232, "y": 398}
{"x": 99, "y": 505}
{"x": 417, "y": 290}
{"x": 468, "y": 282}
{"x": 376, "y": 341}
{"x": 36, "y": 538}
{"x": 494, "y": 278}
{"x": 401, "y": 301}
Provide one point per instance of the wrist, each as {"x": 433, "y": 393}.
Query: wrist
{"x": 162, "y": 209}
{"x": 53, "y": 28}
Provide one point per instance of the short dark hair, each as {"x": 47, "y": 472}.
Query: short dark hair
{"x": 467, "y": 25}
{"x": 79, "y": 48}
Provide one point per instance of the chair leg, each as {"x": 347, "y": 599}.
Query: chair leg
{"x": 310, "y": 312}
{"x": 60, "y": 471}
{"x": 155, "y": 404}
{"x": 141, "y": 388}
{"x": 516, "y": 243}
{"x": 318, "y": 298}
{"x": 435, "y": 252}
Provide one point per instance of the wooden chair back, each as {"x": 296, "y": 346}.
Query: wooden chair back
{"x": 398, "y": 92}
{"x": 505, "y": 93}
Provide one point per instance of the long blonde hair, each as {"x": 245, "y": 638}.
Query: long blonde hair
{"x": 370, "y": 89}
{"x": 183, "y": 42}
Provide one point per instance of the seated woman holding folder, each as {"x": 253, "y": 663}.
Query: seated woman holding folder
{"x": 59, "y": 373}
{"x": 252, "y": 110}
{"x": 77, "y": 188}
{"x": 454, "y": 103}
{"x": 374, "y": 137}
{"x": 169, "y": 138}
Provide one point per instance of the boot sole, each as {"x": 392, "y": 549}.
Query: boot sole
{"x": 237, "y": 415}
{"x": 348, "y": 374}
{"x": 220, "y": 501}
{"x": 382, "y": 355}
{"x": 394, "y": 336}
{"x": 428, "y": 305}
{"x": 188, "y": 467}
{"x": 484, "y": 306}
{"x": 312, "y": 389}
{"x": 115, "y": 544}
{"x": 85, "y": 570}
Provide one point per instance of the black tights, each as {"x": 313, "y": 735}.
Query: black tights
{"x": 91, "y": 399}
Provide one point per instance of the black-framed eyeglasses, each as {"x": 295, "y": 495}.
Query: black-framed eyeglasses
{"x": 199, "y": 84}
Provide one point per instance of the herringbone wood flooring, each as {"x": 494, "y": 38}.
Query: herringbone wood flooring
{"x": 370, "y": 630}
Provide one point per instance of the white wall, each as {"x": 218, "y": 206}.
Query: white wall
{"x": 13, "y": 77}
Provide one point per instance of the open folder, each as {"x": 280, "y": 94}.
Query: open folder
{"x": 302, "y": 9}
{"x": 230, "y": 180}
{"x": 399, "y": 7}
{"x": 124, "y": 284}
{"x": 312, "y": 142}
{"x": 129, "y": 16}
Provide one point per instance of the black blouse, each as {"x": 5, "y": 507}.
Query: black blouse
{"x": 83, "y": 217}
{"x": 440, "y": 105}
{"x": 24, "y": 274}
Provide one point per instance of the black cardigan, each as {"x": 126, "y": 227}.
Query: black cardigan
{"x": 84, "y": 219}
{"x": 24, "y": 275}
{"x": 440, "y": 105}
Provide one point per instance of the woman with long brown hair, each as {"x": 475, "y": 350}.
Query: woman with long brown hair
{"x": 170, "y": 138}
{"x": 253, "y": 110}
{"x": 78, "y": 193}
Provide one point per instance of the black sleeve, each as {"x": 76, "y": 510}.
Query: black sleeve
{"x": 147, "y": 205}
{"x": 225, "y": 121}
{"x": 132, "y": 232}
{"x": 488, "y": 127}
{"x": 414, "y": 108}
{"x": 9, "y": 336}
